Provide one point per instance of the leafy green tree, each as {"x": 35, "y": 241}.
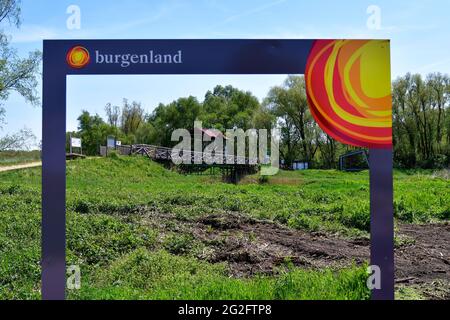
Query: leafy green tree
{"x": 16, "y": 74}
{"x": 439, "y": 86}
{"x": 146, "y": 133}
{"x": 133, "y": 115}
{"x": 299, "y": 132}
{"x": 21, "y": 140}
{"x": 328, "y": 152}
{"x": 179, "y": 114}
{"x": 264, "y": 119}
{"x": 228, "y": 107}
{"x": 420, "y": 120}
{"x": 93, "y": 132}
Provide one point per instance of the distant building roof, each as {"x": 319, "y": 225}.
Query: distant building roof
{"x": 212, "y": 133}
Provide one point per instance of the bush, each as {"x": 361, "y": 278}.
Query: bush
{"x": 113, "y": 154}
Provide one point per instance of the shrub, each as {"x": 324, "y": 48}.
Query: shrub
{"x": 113, "y": 154}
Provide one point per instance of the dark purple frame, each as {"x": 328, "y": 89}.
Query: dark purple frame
{"x": 199, "y": 57}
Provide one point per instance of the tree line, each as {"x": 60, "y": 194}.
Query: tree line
{"x": 421, "y": 121}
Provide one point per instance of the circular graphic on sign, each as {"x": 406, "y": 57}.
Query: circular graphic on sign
{"x": 78, "y": 57}
{"x": 349, "y": 90}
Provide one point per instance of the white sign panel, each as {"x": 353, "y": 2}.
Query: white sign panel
{"x": 110, "y": 142}
{"x": 76, "y": 142}
{"x": 118, "y": 143}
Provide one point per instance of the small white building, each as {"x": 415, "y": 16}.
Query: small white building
{"x": 300, "y": 165}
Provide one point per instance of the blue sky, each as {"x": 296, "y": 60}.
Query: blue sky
{"x": 418, "y": 30}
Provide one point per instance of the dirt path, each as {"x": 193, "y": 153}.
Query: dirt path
{"x": 250, "y": 247}
{"x": 21, "y": 166}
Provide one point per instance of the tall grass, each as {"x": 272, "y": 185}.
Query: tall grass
{"x": 9, "y": 158}
{"x": 159, "y": 275}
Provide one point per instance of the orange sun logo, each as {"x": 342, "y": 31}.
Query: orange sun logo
{"x": 78, "y": 57}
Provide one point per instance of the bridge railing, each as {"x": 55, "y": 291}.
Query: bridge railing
{"x": 194, "y": 157}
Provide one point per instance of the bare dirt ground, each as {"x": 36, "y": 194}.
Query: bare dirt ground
{"x": 253, "y": 247}
{"x": 21, "y": 166}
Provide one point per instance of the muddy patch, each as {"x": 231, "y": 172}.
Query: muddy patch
{"x": 253, "y": 247}
{"x": 427, "y": 256}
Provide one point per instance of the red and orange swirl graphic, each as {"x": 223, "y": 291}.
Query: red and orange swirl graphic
{"x": 349, "y": 90}
{"x": 78, "y": 57}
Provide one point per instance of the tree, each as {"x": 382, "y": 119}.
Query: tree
{"x": 10, "y": 10}
{"x": 147, "y": 134}
{"x": 299, "y": 132}
{"x": 112, "y": 114}
{"x": 263, "y": 118}
{"x": 22, "y": 140}
{"x": 2, "y": 117}
{"x": 132, "y": 116}
{"x": 16, "y": 74}
{"x": 228, "y": 107}
{"x": 420, "y": 113}
{"x": 328, "y": 148}
{"x": 404, "y": 126}
{"x": 439, "y": 86}
{"x": 179, "y": 114}
{"x": 93, "y": 132}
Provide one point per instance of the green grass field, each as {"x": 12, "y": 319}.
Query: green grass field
{"x": 123, "y": 257}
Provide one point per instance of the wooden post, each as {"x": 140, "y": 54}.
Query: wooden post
{"x": 70, "y": 143}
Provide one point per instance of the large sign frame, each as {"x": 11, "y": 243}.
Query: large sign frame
{"x": 181, "y": 57}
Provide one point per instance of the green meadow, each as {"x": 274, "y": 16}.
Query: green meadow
{"x": 123, "y": 256}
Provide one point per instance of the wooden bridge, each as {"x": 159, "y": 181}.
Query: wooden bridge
{"x": 233, "y": 168}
